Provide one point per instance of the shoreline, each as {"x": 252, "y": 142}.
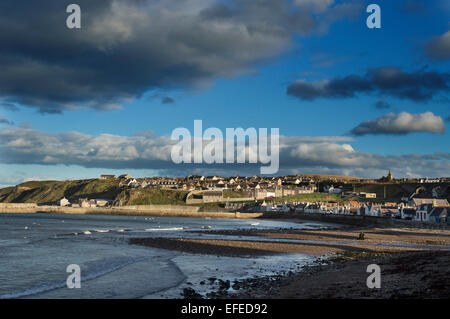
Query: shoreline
{"x": 404, "y": 275}
{"x": 317, "y": 242}
{"x": 340, "y": 269}
{"x": 202, "y": 212}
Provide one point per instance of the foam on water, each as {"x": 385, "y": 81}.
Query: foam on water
{"x": 35, "y": 266}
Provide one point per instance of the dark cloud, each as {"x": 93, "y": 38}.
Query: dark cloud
{"x": 9, "y": 106}
{"x": 127, "y": 48}
{"x": 414, "y": 7}
{"x": 382, "y": 105}
{"x": 439, "y": 47}
{"x": 167, "y": 100}
{"x": 418, "y": 86}
{"x": 4, "y": 120}
{"x": 401, "y": 123}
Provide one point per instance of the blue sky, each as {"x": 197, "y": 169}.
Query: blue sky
{"x": 255, "y": 95}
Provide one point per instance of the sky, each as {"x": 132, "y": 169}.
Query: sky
{"x": 104, "y": 99}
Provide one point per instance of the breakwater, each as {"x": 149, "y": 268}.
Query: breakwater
{"x": 142, "y": 210}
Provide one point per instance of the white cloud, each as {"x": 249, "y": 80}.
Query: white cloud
{"x": 402, "y": 123}
{"x": 439, "y": 47}
{"x": 146, "y": 151}
{"x": 317, "y": 5}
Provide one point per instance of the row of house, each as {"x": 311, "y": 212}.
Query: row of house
{"x": 429, "y": 213}
{"x": 85, "y": 203}
{"x": 260, "y": 187}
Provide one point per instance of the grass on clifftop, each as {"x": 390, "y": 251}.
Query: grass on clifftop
{"x": 49, "y": 192}
{"x": 151, "y": 196}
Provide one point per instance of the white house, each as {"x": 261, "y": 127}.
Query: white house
{"x": 423, "y": 212}
{"x": 63, "y": 202}
{"x": 333, "y": 190}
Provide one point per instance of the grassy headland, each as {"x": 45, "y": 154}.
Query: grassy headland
{"x": 49, "y": 192}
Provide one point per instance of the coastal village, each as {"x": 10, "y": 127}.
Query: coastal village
{"x": 420, "y": 200}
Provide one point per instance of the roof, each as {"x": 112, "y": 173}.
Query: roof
{"x": 212, "y": 193}
{"x": 419, "y": 201}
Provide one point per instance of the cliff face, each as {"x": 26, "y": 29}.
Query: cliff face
{"x": 49, "y": 192}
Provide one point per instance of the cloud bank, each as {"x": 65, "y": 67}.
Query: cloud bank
{"x": 126, "y": 48}
{"x": 401, "y": 123}
{"x": 333, "y": 155}
{"x": 388, "y": 81}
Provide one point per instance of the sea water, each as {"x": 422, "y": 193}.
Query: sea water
{"x": 35, "y": 250}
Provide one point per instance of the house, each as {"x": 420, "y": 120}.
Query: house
{"x": 423, "y": 212}
{"x": 265, "y": 207}
{"x": 144, "y": 184}
{"x": 439, "y": 215}
{"x": 125, "y": 176}
{"x": 333, "y": 190}
{"x": 212, "y": 196}
{"x": 63, "y": 202}
{"x": 129, "y": 183}
{"x": 371, "y": 210}
{"x": 107, "y": 176}
{"x": 85, "y": 203}
{"x": 368, "y": 195}
{"x": 389, "y": 211}
{"x": 103, "y": 202}
{"x": 407, "y": 213}
{"x": 282, "y": 208}
{"x": 300, "y": 208}
{"x": 419, "y": 201}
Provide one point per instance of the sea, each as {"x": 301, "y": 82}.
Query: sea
{"x": 36, "y": 250}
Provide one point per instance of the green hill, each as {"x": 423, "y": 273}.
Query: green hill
{"x": 49, "y": 192}
{"x": 150, "y": 196}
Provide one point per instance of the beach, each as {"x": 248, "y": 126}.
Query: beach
{"x": 412, "y": 275}
{"x": 414, "y": 262}
{"x": 173, "y": 257}
{"x": 37, "y": 248}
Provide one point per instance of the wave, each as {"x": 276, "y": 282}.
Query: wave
{"x": 104, "y": 267}
{"x": 164, "y": 229}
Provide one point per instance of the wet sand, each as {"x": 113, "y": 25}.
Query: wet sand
{"x": 406, "y": 275}
{"x": 328, "y": 241}
{"x": 372, "y": 235}
{"x": 420, "y": 270}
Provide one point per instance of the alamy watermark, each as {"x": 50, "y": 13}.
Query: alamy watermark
{"x": 239, "y": 146}
{"x": 374, "y": 280}
{"x": 73, "y": 21}
{"x": 74, "y": 279}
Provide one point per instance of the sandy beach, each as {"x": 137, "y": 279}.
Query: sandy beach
{"x": 414, "y": 262}
{"x": 312, "y": 242}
